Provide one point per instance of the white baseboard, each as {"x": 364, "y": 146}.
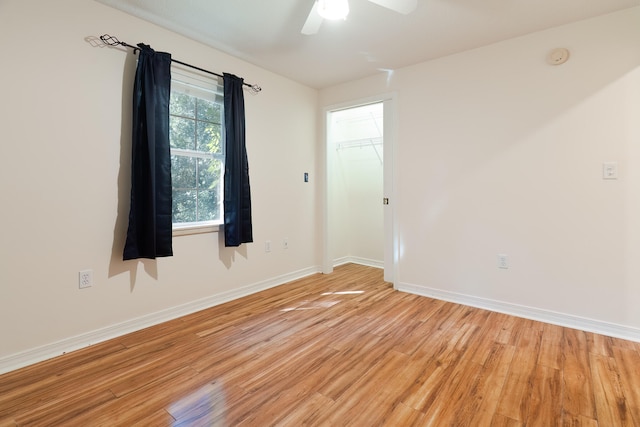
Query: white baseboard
{"x": 31, "y": 356}
{"x": 547, "y": 316}
{"x": 358, "y": 260}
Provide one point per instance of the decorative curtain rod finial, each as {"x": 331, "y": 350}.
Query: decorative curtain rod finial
{"x": 111, "y": 40}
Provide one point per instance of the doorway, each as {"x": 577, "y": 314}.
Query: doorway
{"x": 359, "y": 181}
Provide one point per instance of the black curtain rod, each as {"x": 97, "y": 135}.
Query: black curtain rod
{"x": 113, "y": 41}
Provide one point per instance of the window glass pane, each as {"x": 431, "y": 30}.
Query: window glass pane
{"x": 182, "y": 133}
{"x": 182, "y": 104}
{"x": 197, "y": 163}
{"x": 209, "y": 110}
{"x": 209, "y": 172}
{"x": 184, "y": 206}
{"x": 209, "y": 138}
{"x": 183, "y": 173}
{"x": 208, "y": 206}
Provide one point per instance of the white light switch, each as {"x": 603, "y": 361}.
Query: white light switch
{"x": 503, "y": 261}
{"x": 610, "y": 170}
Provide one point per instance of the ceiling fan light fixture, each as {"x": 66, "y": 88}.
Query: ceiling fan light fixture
{"x": 333, "y": 9}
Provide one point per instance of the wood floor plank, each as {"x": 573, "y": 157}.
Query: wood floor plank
{"x": 409, "y": 337}
{"x": 52, "y": 368}
{"x": 454, "y": 380}
{"x": 600, "y": 344}
{"x": 24, "y": 388}
{"x": 403, "y": 415}
{"x": 282, "y": 403}
{"x": 367, "y": 408}
{"x": 570, "y": 420}
{"x": 355, "y": 361}
{"x": 337, "y": 349}
{"x": 308, "y": 412}
{"x": 628, "y": 365}
{"x": 551, "y": 346}
{"x": 134, "y": 408}
{"x": 7, "y": 423}
{"x": 508, "y": 331}
{"x": 439, "y": 361}
{"x": 611, "y": 406}
{"x": 216, "y": 411}
{"x": 489, "y": 324}
{"x": 74, "y": 407}
{"x": 279, "y": 390}
{"x": 483, "y": 395}
{"x": 474, "y": 401}
{"x": 515, "y": 399}
{"x": 629, "y": 345}
{"x": 200, "y": 406}
{"x": 229, "y": 357}
{"x": 62, "y": 384}
{"x": 500, "y": 420}
{"x": 546, "y": 398}
{"x": 578, "y": 400}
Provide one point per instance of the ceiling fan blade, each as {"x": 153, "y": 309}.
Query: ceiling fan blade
{"x": 313, "y": 22}
{"x": 401, "y": 6}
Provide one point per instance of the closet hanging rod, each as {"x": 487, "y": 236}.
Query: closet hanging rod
{"x": 359, "y": 143}
{"x": 113, "y": 41}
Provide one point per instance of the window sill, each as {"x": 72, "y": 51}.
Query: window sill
{"x": 185, "y": 230}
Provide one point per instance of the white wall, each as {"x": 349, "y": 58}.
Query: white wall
{"x": 65, "y": 145}
{"x": 499, "y": 152}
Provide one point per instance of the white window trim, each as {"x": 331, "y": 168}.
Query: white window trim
{"x": 187, "y": 229}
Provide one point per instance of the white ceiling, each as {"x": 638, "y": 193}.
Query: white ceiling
{"x": 371, "y": 40}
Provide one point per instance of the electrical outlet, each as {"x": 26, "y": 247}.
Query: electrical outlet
{"x": 285, "y": 243}
{"x": 267, "y": 246}
{"x": 85, "y": 279}
{"x": 503, "y": 261}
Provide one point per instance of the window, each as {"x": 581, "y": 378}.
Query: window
{"x": 197, "y": 151}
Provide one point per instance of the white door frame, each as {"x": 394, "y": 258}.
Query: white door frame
{"x": 389, "y": 153}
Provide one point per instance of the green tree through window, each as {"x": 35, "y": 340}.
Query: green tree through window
{"x": 197, "y": 157}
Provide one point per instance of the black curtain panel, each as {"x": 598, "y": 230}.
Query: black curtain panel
{"x": 150, "y": 230}
{"x": 237, "y": 194}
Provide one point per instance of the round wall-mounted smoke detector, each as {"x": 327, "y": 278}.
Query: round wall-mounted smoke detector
{"x": 558, "y": 56}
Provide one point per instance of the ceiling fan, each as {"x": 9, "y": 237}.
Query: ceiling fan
{"x": 339, "y": 9}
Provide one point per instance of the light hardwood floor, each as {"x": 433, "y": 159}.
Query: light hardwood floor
{"x": 330, "y": 350}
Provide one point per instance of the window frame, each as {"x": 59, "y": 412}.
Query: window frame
{"x": 211, "y": 89}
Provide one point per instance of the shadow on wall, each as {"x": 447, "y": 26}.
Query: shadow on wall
{"x": 116, "y": 264}
{"x": 228, "y": 254}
